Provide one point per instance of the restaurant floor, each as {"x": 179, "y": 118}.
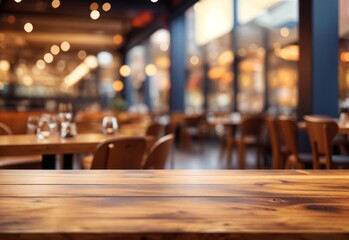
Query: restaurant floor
{"x": 208, "y": 157}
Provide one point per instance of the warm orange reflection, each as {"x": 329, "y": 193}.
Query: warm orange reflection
{"x": 118, "y": 86}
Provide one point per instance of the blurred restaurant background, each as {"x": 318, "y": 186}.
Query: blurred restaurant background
{"x": 162, "y": 56}
{"x": 169, "y": 61}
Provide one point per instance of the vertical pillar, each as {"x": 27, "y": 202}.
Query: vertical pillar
{"x": 235, "y": 66}
{"x": 148, "y": 59}
{"x": 178, "y": 69}
{"x": 318, "y": 63}
{"x": 265, "y": 41}
{"x": 128, "y": 89}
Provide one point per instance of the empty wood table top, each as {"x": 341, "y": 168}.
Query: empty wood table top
{"x": 174, "y": 204}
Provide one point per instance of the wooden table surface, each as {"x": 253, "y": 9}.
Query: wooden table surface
{"x": 174, "y": 204}
{"x": 14, "y": 145}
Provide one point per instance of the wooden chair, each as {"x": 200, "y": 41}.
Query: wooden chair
{"x": 120, "y": 153}
{"x": 250, "y": 135}
{"x": 154, "y": 130}
{"x": 159, "y": 153}
{"x": 4, "y": 129}
{"x": 193, "y": 126}
{"x": 322, "y": 130}
{"x": 277, "y": 147}
{"x": 18, "y": 162}
{"x": 289, "y": 132}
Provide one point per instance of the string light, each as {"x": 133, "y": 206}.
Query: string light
{"x": 28, "y": 27}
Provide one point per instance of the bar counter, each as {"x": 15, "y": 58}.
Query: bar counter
{"x": 174, "y": 204}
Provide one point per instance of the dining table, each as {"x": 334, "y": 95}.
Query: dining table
{"x": 174, "y": 204}
{"x": 30, "y": 144}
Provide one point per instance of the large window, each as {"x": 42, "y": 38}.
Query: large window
{"x": 268, "y": 54}
{"x": 158, "y": 70}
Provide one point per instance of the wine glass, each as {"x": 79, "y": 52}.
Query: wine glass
{"x": 65, "y": 112}
{"x": 32, "y": 124}
{"x": 53, "y": 124}
{"x": 44, "y": 129}
{"x": 109, "y": 125}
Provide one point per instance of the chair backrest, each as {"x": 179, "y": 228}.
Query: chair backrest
{"x": 159, "y": 153}
{"x": 321, "y": 131}
{"x": 194, "y": 120}
{"x": 252, "y": 125}
{"x": 154, "y": 130}
{"x": 289, "y": 132}
{"x": 273, "y": 130}
{"x": 4, "y": 129}
{"x": 120, "y": 153}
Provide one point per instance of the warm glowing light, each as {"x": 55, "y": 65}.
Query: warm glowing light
{"x": 2, "y": 37}
{"x": 94, "y": 6}
{"x": 118, "y": 39}
{"x": 289, "y": 53}
{"x": 284, "y": 32}
{"x": 154, "y": 1}
{"x": 55, "y": 49}
{"x": 104, "y": 58}
{"x": 162, "y": 62}
{"x": 82, "y": 54}
{"x": 227, "y": 77}
{"x": 91, "y": 61}
{"x": 125, "y": 71}
{"x": 194, "y": 60}
{"x": 28, "y": 27}
{"x": 344, "y": 56}
{"x": 18, "y": 1}
{"x": 55, "y": 3}
{"x": 95, "y": 14}
{"x": 150, "y": 70}
{"x": 11, "y": 19}
{"x": 4, "y": 66}
{"x": 40, "y": 64}
{"x": 48, "y": 58}
{"x": 226, "y": 57}
{"x": 215, "y": 72}
{"x": 106, "y": 7}
{"x": 65, "y": 46}
{"x": 27, "y": 80}
{"x": 118, "y": 86}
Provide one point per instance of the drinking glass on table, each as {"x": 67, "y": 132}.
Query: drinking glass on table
{"x": 32, "y": 124}
{"x": 43, "y": 128}
{"x": 53, "y": 124}
{"x": 65, "y": 112}
{"x": 109, "y": 125}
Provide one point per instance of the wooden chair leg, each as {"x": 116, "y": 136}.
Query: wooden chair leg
{"x": 229, "y": 147}
{"x": 288, "y": 164}
{"x": 260, "y": 158}
{"x": 241, "y": 155}
{"x": 222, "y": 147}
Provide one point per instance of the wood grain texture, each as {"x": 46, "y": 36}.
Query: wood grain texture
{"x": 174, "y": 204}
